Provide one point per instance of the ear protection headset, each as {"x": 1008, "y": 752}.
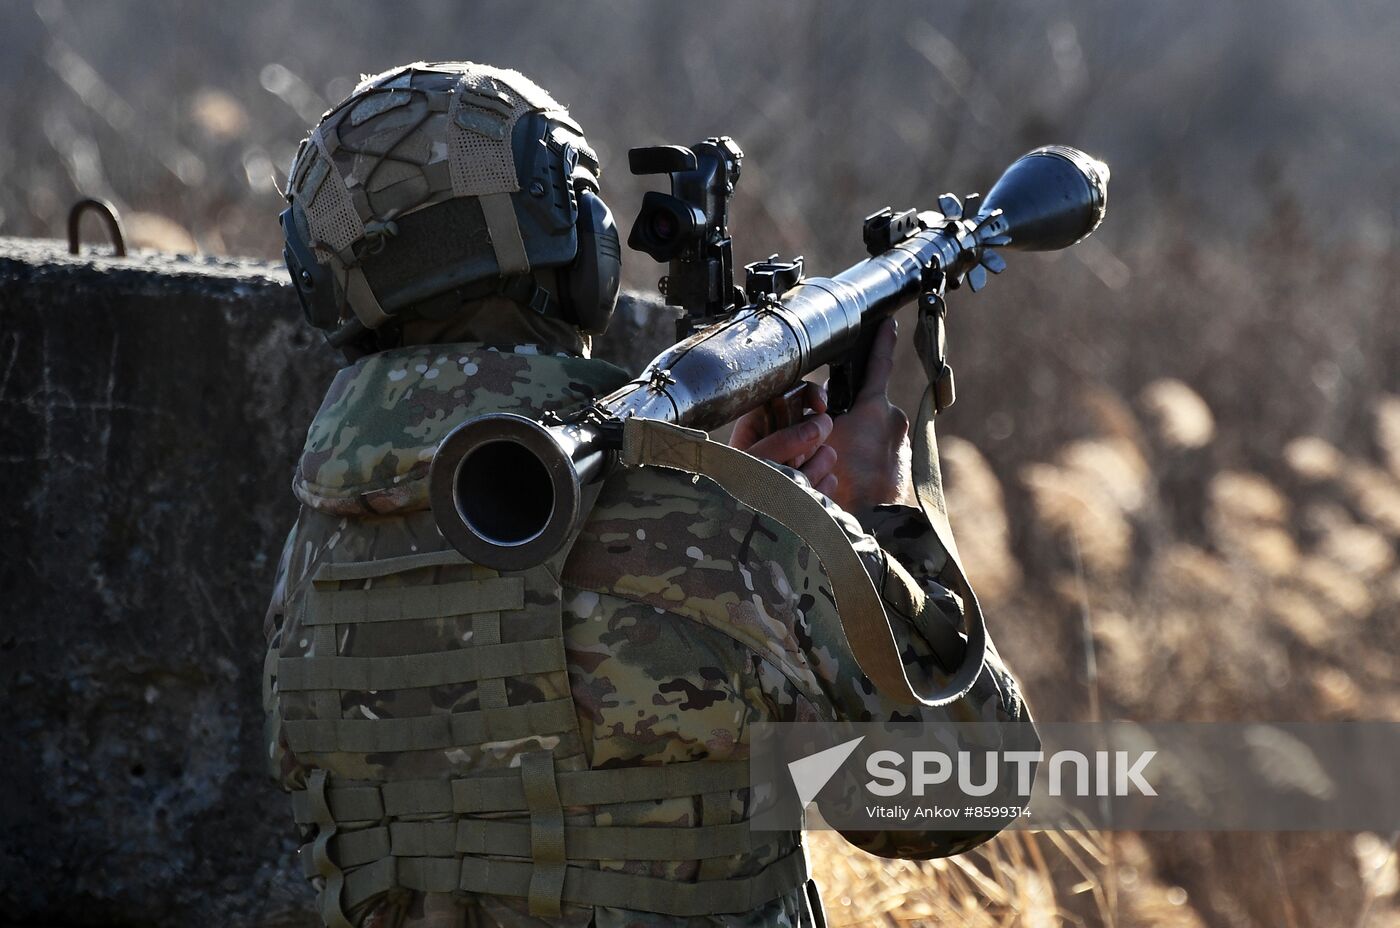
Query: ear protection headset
{"x": 590, "y": 282}
{"x": 426, "y": 263}
{"x": 593, "y": 279}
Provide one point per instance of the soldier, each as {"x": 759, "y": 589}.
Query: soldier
{"x": 565, "y": 744}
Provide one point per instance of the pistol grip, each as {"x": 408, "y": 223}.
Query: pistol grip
{"x": 848, "y": 374}
{"x": 840, "y": 388}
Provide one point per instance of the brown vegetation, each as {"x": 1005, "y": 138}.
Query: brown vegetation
{"x": 1283, "y": 608}
{"x": 1177, "y": 447}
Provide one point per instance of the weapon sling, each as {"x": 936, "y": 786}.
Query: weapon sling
{"x": 650, "y": 442}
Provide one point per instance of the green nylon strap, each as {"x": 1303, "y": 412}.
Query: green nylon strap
{"x": 605, "y": 787}
{"x": 584, "y": 886}
{"x": 715, "y": 815}
{"x": 708, "y": 843}
{"x": 499, "y": 212}
{"x": 382, "y": 876}
{"x": 606, "y": 842}
{"x": 546, "y": 833}
{"x": 440, "y": 668}
{"x": 581, "y": 886}
{"x": 426, "y": 839}
{"x": 337, "y": 607}
{"x": 364, "y": 570}
{"x": 323, "y": 703}
{"x": 347, "y": 804}
{"x": 328, "y": 900}
{"x": 486, "y": 632}
{"x": 429, "y": 732}
{"x": 356, "y": 848}
{"x": 931, "y": 345}
{"x": 502, "y": 791}
{"x": 766, "y": 490}
{"x": 421, "y": 797}
{"x": 662, "y": 781}
{"x": 305, "y": 854}
{"x": 928, "y": 490}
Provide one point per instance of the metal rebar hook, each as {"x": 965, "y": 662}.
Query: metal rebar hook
{"x": 110, "y": 219}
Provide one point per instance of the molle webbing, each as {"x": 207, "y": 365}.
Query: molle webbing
{"x": 546, "y": 833}
{"x": 513, "y": 839}
{"x": 463, "y": 665}
{"x": 316, "y": 857}
{"x": 542, "y": 812}
{"x": 503, "y": 791}
{"x": 429, "y": 732}
{"x": 582, "y": 886}
{"x": 418, "y": 602}
{"x": 386, "y": 852}
{"x": 485, "y": 660}
{"x": 364, "y": 570}
{"x": 716, "y": 816}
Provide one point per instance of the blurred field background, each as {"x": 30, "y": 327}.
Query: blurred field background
{"x": 1175, "y": 457}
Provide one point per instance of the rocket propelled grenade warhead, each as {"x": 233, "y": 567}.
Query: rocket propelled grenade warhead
{"x": 509, "y": 492}
{"x": 1049, "y": 199}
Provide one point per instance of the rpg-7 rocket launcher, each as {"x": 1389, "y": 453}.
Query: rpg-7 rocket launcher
{"x": 508, "y": 491}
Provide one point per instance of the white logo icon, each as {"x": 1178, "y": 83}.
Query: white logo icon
{"x": 811, "y": 773}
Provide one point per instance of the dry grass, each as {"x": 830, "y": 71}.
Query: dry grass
{"x": 1029, "y": 879}
{"x": 1025, "y": 879}
{"x": 1003, "y": 883}
{"x": 1176, "y": 471}
{"x": 1285, "y": 608}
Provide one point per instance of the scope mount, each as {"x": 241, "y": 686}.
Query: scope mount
{"x": 885, "y": 229}
{"x": 770, "y": 278}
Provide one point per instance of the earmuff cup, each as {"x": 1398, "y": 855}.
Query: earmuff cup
{"x": 593, "y": 279}
{"x": 427, "y": 261}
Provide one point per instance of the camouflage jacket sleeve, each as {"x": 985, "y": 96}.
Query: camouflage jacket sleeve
{"x": 905, "y": 560}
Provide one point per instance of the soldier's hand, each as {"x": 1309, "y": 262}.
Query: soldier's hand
{"x": 872, "y": 438}
{"x": 800, "y": 445}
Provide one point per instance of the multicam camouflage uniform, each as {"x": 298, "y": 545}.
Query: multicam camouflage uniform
{"x": 685, "y": 618}
{"x": 565, "y": 744}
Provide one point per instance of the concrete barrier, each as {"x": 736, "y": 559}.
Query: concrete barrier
{"x": 151, "y": 409}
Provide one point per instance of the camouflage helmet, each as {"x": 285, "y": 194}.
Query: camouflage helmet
{"x": 436, "y": 184}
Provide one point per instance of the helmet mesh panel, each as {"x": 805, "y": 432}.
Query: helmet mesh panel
{"x": 334, "y": 222}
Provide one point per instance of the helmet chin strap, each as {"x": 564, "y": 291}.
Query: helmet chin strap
{"x": 363, "y": 303}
